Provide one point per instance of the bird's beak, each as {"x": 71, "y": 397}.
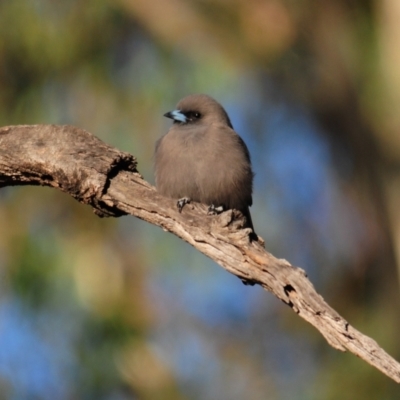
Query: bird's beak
{"x": 176, "y": 115}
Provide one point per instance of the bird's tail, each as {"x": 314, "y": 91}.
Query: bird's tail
{"x": 249, "y": 222}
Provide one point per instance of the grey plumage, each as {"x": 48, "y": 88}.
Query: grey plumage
{"x": 201, "y": 157}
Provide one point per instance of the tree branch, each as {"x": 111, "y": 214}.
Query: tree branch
{"x": 97, "y": 174}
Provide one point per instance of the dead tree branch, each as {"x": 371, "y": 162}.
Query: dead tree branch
{"x": 94, "y": 173}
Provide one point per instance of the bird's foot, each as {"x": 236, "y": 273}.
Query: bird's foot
{"x": 212, "y": 210}
{"x": 182, "y": 202}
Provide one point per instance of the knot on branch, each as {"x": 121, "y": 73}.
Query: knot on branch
{"x": 65, "y": 157}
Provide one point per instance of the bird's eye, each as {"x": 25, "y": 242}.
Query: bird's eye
{"x": 193, "y": 115}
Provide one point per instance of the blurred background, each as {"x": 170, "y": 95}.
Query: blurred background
{"x": 117, "y": 309}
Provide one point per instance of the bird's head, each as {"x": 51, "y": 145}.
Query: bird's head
{"x": 198, "y": 108}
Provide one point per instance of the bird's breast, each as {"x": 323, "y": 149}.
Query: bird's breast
{"x": 207, "y": 165}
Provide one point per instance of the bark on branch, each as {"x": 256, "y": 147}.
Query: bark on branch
{"x": 97, "y": 174}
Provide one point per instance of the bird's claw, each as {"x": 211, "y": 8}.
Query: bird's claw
{"x": 182, "y": 202}
{"x": 212, "y": 210}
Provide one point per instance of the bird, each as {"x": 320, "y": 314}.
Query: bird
{"x": 201, "y": 158}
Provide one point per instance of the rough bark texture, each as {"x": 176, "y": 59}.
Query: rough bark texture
{"x": 94, "y": 173}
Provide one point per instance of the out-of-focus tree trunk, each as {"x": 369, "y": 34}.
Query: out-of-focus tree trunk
{"x": 388, "y": 125}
